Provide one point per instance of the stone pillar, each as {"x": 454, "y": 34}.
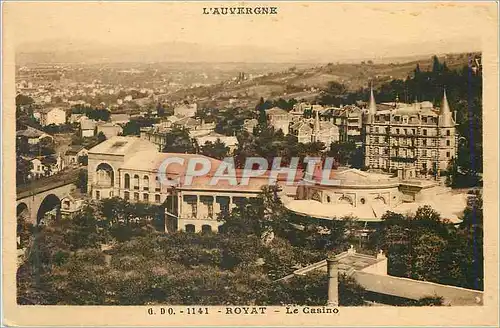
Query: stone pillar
{"x": 217, "y": 207}
{"x": 382, "y": 264}
{"x": 180, "y": 200}
{"x": 197, "y": 206}
{"x": 333, "y": 282}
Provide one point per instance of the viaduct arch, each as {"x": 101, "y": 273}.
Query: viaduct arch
{"x": 34, "y": 205}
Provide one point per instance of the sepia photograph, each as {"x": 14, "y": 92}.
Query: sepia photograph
{"x": 245, "y": 159}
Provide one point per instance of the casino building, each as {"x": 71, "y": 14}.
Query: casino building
{"x": 414, "y": 136}
{"x": 128, "y": 167}
{"x": 367, "y": 196}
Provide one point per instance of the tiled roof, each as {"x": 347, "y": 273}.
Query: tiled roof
{"x": 276, "y": 111}
{"x": 30, "y": 132}
{"x": 74, "y": 149}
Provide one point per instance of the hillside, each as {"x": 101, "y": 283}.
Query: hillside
{"x": 306, "y": 83}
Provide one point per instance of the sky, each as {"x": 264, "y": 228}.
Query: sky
{"x": 342, "y": 29}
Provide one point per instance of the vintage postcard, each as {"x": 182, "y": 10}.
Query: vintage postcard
{"x": 250, "y": 163}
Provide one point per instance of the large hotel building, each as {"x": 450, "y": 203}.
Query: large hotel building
{"x": 414, "y": 137}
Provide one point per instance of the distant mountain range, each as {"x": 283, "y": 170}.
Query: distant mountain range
{"x": 67, "y": 51}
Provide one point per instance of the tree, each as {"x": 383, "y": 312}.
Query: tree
{"x": 436, "y": 65}
{"x": 24, "y": 231}
{"x": 133, "y": 127}
{"x": 425, "y": 247}
{"x": 76, "y": 140}
{"x": 48, "y": 163}
{"x": 217, "y": 150}
{"x": 22, "y": 146}
{"x": 160, "y": 111}
{"x": 82, "y": 231}
{"x": 23, "y": 170}
{"x": 98, "y": 114}
{"x": 312, "y": 289}
{"x": 82, "y": 180}
{"x": 179, "y": 141}
{"x": 280, "y": 258}
{"x": 23, "y": 100}
{"x": 101, "y": 137}
{"x": 46, "y": 146}
{"x": 469, "y": 242}
{"x": 83, "y": 160}
{"x": 127, "y": 220}
{"x": 335, "y": 88}
{"x": 260, "y": 108}
{"x": 342, "y": 152}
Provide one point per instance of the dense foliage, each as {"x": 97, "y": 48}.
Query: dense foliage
{"x": 97, "y": 114}
{"x": 133, "y": 127}
{"x": 141, "y": 265}
{"x": 216, "y": 149}
{"x": 179, "y": 141}
{"x": 116, "y": 252}
{"x": 424, "y": 247}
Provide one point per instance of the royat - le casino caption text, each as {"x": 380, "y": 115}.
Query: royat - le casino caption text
{"x": 242, "y": 310}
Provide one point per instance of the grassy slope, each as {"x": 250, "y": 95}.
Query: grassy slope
{"x": 354, "y": 76}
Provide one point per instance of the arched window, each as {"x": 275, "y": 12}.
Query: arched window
{"x": 157, "y": 184}
{"x": 206, "y": 228}
{"x": 136, "y": 182}
{"x": 105, "y": 175}
{"x": 145, "y": 181}
{"x": 190, "y": 228}
{"x": 344, "y": 200}
{"x": 127, "y": 181}
{"x": 316, "y": 196}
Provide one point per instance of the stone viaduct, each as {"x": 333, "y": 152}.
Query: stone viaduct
{"x": 33, "y": 203}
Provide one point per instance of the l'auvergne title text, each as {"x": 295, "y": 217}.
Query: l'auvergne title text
{"x": 240, "y": 10}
